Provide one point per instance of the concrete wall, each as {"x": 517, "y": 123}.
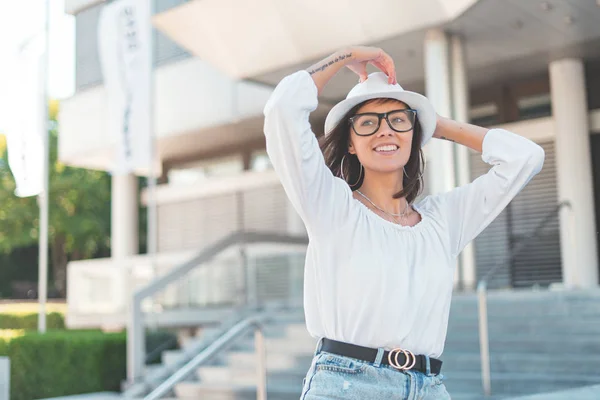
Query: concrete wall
{"x": 190, "y": 96}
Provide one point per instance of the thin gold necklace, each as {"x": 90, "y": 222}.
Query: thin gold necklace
{"x": 402, "y": 215}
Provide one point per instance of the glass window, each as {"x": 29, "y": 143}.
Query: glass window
{"x": 484, "y": 114}
{"x": 536, "y": 106}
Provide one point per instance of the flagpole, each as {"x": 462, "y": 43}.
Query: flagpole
{"x": 44, "y": 196}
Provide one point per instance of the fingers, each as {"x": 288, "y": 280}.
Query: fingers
{"x": 360, "y": 69}
{"x": 387, "y": 66}
{"x": 377, "y": 57}
{"x": 392, "y": 75}
{"x": 390, "y": 69}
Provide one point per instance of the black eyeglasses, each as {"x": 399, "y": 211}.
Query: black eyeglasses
{"x": 366, "y": 124}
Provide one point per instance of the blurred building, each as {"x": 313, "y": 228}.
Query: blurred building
{"x": 532, "y": 67}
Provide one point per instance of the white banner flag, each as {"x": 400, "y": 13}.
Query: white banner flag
{"x": 26, "y": 125}
{"x": 124, "y": 41}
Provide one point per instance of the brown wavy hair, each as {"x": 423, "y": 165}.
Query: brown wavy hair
{"x": 334, "y": 146}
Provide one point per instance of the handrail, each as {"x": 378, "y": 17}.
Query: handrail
{"x": 484, "y": 340}
{"x": 214, "y": 348}
{"x": 135, "y": 328}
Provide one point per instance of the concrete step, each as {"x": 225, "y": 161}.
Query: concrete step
{"x": 526, "y": 343}
{"x": 248, "y": 376}
{"x": 295, "y": 332}
{"x": 460, "y": 386}
{"x": 524, "y": 307}
{"x": 280, "y": 345}
{"x": 525, "y": 363}
{"x": 155, "y": 374}
{"x": 529, "y": 296}
{"x": 540, "y": 342}
{"x": 193, "y": 390}
{"x": 173, "y": 357}
{"x": 458, "y": 342}
{"x": 571, "y": 326}
{"x": 550, "y": 363}
{"x": 583, "y": 393}
{"x": 521, "y": 317}
{"x": 460, "y": 364}
{"x": 517, "y": 310}
{"x": 516, "y": 383}
{"x": 475, "y": 396}
{"x": 242, "y": 359}
{"x": 278, "y": 329}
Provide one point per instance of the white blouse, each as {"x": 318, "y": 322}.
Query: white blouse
{"x": 368, "y": 281}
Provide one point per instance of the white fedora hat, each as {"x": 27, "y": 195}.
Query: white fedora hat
{"x": 377, "y": 86}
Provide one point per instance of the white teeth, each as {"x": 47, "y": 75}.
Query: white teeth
{"x": 389, "y": 147}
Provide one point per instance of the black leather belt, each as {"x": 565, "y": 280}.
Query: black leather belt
{"x": 402, "y": 360}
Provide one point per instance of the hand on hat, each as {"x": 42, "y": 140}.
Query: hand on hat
{"x": 363, "y": 56}
{"x": 356, "y": 58}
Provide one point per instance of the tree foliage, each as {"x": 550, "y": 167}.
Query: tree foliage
{"x": 79, "y": 212}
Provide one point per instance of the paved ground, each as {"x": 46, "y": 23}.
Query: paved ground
{"x": 585, "y": 393}
{"x": 90, "y": 396}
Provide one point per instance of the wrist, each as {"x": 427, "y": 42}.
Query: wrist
{"x": 439, "y": 126}
{"x": 346, "y": 55}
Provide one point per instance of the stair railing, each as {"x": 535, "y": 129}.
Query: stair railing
{"x": 135, "y": 328}
{"x": 222, "y": 343}
{"x": 484, "y": 340}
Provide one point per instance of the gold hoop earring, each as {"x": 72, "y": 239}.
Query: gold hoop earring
{"x": 342, "y": 172}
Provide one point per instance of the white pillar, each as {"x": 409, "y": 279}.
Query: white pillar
{"x": 124, "y": 216}
{"x": 574, "y": 174}
{"x": 124, "y": 231}
{"x": 460, "y": 102}
{"x": 124, "y": 242}
{"x": 439, "y": 154}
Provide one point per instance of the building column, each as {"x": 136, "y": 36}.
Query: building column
{"x": 124, "y": 229}
{"x": 460, "y": 112}
{"x": 124, "y": 243}
{"x": 124, "y": 216}
{"x": 574, "y": 174}
{"x": 439, "y": 154}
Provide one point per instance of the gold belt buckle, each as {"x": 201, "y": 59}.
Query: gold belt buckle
{"x": 393, "y": 360}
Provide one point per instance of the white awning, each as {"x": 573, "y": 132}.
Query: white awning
{"x": 249, "y": 38}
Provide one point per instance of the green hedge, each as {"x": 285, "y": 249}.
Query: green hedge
{"x": 29, "y": 322}
{"x": 61, "y": 363}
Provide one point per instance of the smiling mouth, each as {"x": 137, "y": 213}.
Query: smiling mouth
{"x": 387, "y": 149}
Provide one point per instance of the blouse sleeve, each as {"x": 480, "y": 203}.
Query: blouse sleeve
{"x": 321, "y": 200}
{"x": 471, "y": 208}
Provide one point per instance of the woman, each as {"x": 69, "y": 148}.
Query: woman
{"x": 379, "y": 267}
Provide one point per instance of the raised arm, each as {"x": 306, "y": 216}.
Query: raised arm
{"x": 459, "y": 132}
{"x": 514, "y": 161}
{"x": 321, "y": 200}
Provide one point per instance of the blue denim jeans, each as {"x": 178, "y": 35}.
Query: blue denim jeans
{"x": 336, "y": 377}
